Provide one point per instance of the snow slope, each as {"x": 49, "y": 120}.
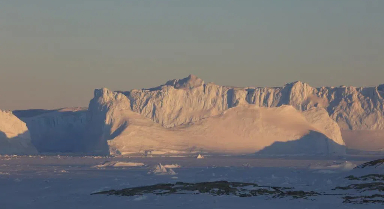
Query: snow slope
{"x": 240, "y": 130}
{"x": 14, "y": 135}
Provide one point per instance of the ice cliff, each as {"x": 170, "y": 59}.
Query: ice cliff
{"x": 190, "y": 99}
{"x": 59, "y": 130}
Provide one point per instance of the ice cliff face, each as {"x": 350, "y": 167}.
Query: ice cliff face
{"x": 244, "y": 128}
{"x": 190, "y": 99}
{"x": 105, "y": 119}
{"x": 14, "y": 136}
{"x": 56, "y": 130}
{"x": 180, "y": 101}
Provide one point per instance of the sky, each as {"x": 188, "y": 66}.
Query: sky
{"x": 54, "y": 53}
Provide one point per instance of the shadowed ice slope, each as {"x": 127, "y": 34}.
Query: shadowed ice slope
{"x": 314, "y": 143}
{"x": 59, "y": 130}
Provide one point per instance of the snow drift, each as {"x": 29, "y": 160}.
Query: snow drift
{"x": 14, "y": 136}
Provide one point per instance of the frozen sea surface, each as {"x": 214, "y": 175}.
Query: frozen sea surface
{"x": 68, "y": 182}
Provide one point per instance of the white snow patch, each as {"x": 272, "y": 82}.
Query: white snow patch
{"x": 101, "y": 189}
{"x": 140, "y": 198}
{"x": 5, "y": 173}
{"x": 172, "y": 166}
{"x": 61, "y": 171}
{"x": 247, "y": 165}
{"x": 118, "y": 164}
{"x": 333, "y": 168}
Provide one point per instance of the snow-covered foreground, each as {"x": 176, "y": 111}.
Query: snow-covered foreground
{"x": 68, "y": 182}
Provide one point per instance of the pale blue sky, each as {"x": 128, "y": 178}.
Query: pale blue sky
{"x": 53, "y": 53}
